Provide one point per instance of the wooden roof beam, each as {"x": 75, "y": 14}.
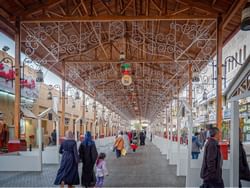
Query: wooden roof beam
{"x": 237, "y": 4}
{"x": 125, "y": 8}
{"x": 36, "y": 7}
{"x": 20, "y": 4}
{"x": 108, "y": 61}
{"x": 156, "y": 6}
{"x": 106, "y": 7}
{"x": 201, "y": 6}
{"x": 181, "y": 11}
{"x": 84, "y": 7}
{"x": 7, "y": 23}
{"x": 118, "y": 18}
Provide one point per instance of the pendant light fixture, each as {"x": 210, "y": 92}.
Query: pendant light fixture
{"x": 245, "y": 18}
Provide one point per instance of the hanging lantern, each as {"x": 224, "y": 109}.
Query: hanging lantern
{"x": 77, "y": 95}
{"x": 204, "y": 95}
{"x": 73, "y": 104}
{"x": 94, "y": 105}
{"x": 122, "y": 56}
{"x": 196, "y": 77}
{"x": 49, "y": 95}
{"x": 126, "y": 80}
{"x": 245, "y": 18}
{"x": 39, "y": 76}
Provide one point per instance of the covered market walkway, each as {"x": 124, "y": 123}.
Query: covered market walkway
{"x": 162, "y": 67}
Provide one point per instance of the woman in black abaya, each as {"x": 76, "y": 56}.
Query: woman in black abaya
{"x": 68, "y": 171}
{"x": 88, "y": 156}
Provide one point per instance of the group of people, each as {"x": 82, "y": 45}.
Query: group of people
{"x": 211, "y": 170}
{"x": 198, "y": 141}
{"x": 128, "y": 141}
{"x": 88, "y": 155}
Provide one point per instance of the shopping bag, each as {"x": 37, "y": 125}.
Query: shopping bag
{"x": 123, "y": 152}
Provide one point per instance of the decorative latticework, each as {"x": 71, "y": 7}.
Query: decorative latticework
{"x": 159, "y": 39}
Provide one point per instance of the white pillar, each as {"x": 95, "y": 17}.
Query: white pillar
{"x": 178, "y": 133}
{"x": 84, "y": 127}
{"x": 234, "y": 145}
{"x": 57, "y": 140}
{"x": 57, "y": 133}
{"x": 168, "y": 135}
{"x": 171, "y": 131}
{"x": 190, "y": 128}
{"x": 75, "y": 132}
{"x": 40, "y": 142}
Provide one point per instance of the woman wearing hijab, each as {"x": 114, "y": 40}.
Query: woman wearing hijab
{"x": 88, "y": 156}
{"x": 68, "y": 171}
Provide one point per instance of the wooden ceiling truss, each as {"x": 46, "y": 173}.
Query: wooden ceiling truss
{"x": 160, "y": 38}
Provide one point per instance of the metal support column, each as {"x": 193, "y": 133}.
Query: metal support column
{"x": 219, "y": 75}
{"x": 190, "y": 85}
{"x": 178, "y": 126}
{"x": 63, "y": 101}
{"x": 94, "y": 125}
{"x": 40, "y": 142}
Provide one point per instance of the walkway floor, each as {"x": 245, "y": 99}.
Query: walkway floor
{"x": 144, "y": 168}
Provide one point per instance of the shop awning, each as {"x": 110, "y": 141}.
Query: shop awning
{"x": 28, "y": 114}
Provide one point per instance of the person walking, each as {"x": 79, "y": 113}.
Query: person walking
{"x": 119, "y": 145}
{"x": 202, "y": 137}
{"x": 130, "y": 136}
{"x": 101, "y": 170}
{"x": 211, "y": 170}
{"x": 196, "y": 146}
{"x": 88, "y": 155}
{"x": 53, "y": 137}
{"x": 244, "y": 172}
{"x": 68, "y": 171}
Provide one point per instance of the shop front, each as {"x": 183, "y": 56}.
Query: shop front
{"x": 29, "y": 93}
{"x": 28, "y": 127}
{"x": 245, "y": 121}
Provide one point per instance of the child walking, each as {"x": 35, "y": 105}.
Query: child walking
{"x": 101, "y": 170}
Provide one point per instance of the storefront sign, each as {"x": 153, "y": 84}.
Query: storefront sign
{"x": 243, "y": 108}
{"x": 227, "y": 114}
{"x": 201, "y": 119}
{"x": 7, "y": 83}
{"x": 212, "y": 117}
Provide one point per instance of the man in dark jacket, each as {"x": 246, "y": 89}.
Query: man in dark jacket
{"x": 211, "y": 170}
